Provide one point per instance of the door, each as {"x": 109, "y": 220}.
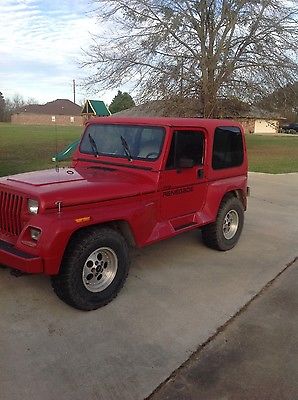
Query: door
{"x": 183, "y": 182}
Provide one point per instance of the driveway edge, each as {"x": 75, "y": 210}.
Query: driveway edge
{"x": 221, "y": 328}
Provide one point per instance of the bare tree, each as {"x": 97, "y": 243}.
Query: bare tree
{"x": 2, "y": 107}
{"x": 15, "y": 104}
{"x": 203, "y": 49}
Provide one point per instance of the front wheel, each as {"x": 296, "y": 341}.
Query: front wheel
{"x": 93, "y": 270}
{"x": 224, "y": 233}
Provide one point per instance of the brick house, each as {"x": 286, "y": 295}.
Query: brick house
{"x": 253, "y": 120}
{"x": 59, "y": 112}
{"x": 260, "y": 122}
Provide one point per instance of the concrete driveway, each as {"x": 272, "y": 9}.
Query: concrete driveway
{"x": 177, "y": 295}
{"x": 253, "y": 358}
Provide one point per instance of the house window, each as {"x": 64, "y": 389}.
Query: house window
{"x": 53, "y": 118}
{"x": 72, "y": 120}
{"x": 227, "y": 148}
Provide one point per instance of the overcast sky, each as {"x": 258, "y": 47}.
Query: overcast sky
{"x": 41, "y": 42}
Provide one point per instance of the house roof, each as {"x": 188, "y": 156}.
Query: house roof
{"x": 96, "y": 108}
{"x": 56, "y": 107}
{"x": 260, "y": 113}
{"x": 190, "y": 107}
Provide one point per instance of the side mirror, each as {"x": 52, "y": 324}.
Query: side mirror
{"x": 186, "y": 163}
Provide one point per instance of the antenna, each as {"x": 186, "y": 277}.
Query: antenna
{"x": 74, "y": 90}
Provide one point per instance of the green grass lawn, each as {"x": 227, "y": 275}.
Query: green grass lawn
{"x": 28, "y": 148}
{"x": 272, "y": 154}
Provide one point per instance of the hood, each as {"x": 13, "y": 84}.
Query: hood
{"x": 81, "y": 185}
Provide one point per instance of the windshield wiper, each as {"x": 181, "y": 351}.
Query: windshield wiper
{"x": 93, "y": 145}
{"x": 126, "y": 148}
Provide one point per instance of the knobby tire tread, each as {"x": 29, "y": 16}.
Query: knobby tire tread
{"x": 212, "y": 233}
{"x": 61, "y": 283}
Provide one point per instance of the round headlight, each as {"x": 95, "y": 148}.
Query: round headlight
{"x": 33, "y": 206}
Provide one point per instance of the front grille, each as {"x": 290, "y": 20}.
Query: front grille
{"x": 10, "y": 213}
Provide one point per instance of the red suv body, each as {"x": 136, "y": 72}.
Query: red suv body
{"x": 132, "y": 182}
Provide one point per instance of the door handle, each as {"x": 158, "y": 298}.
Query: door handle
{"x": 200, "y": 173}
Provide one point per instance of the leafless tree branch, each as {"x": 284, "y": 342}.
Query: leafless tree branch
{"x": 203, "y": 48}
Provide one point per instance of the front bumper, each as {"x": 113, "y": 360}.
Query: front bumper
{"x": 17, "y": 259}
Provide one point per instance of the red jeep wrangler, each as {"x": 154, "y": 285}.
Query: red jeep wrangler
{"x": 133, "y": 182}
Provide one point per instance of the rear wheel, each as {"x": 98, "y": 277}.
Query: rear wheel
{"x": 94, "y": 269}
{"x": 224, "y": 233}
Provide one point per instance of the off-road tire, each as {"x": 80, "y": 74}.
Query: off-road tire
{"x": 213, "y": 234}
{"x": 69, "y": 283}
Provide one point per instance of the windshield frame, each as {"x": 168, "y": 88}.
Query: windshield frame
{"x": 122, "y": 156}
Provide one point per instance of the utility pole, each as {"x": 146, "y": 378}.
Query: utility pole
{"x": 74, "y": 90}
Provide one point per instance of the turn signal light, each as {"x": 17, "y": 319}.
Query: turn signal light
{"x": 82, "y": 219}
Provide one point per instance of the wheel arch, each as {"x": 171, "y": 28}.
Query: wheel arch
{"x": 238, "y": 193}
{"x": 62, "y": 243}
{"x": 122, "y": 226}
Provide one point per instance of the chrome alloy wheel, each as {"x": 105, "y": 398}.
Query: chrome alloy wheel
{"x": 230, "y": 224}
{"x": 100, "y": 269}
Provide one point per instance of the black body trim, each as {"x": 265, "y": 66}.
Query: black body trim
{"x": 11, "y": 249}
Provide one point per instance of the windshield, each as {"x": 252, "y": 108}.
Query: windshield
{"x": 126, "y": 141}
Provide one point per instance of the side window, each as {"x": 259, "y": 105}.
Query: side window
{"x": 186, "y": 145}
{"x": 227, "y": 148}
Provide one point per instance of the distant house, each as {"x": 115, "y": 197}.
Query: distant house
{"x": 95, "y": 108}
{"x": 59, "y": 112}
{"x": 260, "y": 125}
{"x": 253, "y": 119}
{"x": 258, "y": 121}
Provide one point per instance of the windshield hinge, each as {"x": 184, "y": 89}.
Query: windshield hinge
{"x": 59, "y": 205}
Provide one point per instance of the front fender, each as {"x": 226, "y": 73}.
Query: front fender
{"x": 57, "y": 228}
{"x": 55, "y": 233}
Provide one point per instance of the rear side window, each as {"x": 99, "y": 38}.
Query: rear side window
{"x": 227, "y": 148}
